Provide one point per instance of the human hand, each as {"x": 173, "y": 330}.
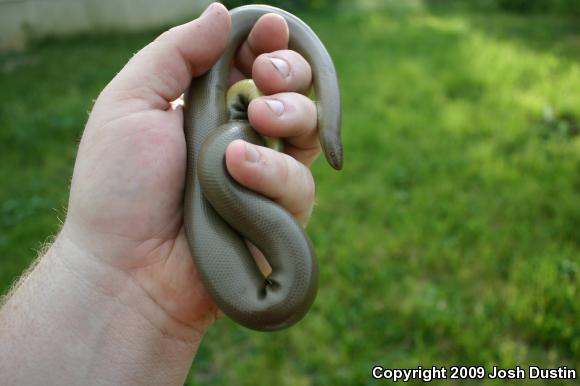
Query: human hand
{"x": 125, "y": 209}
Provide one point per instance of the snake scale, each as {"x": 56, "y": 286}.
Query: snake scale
{"x": 219, "y": 213}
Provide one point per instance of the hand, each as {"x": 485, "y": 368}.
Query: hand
{"x": 125, "y": 208}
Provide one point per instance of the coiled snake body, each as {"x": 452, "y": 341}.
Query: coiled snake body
{"x": 220, "y": 213}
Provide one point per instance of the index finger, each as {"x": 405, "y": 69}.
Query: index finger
{"x": 269, "y": 34}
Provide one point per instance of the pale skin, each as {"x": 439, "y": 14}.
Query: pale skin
{"x": 116, "y": 298}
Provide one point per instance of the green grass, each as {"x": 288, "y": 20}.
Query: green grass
{"x": 451, "y": 237}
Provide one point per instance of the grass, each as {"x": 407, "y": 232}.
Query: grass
{"x": 451, "y": 237}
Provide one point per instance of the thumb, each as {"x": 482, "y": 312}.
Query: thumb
{"x": 160, "y": 72}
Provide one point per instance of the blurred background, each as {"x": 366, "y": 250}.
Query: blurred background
{"x": 451, "y": 237}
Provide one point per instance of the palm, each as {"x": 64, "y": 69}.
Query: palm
{"x": 136, "y": 197}
{"x": 164, "y": 265}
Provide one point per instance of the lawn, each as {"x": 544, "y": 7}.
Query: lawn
{"x": 452, "y": 236}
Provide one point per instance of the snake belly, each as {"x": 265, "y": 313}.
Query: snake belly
{"x": 219, "y": 213}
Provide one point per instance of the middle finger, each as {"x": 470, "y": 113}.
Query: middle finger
{"x": 282, "y": 71}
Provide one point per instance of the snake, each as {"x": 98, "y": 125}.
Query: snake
{"x": 220, "y": 215}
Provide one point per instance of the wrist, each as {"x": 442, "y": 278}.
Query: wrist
{"x": 96, "y": 322}
{"x": 116, "y": 285}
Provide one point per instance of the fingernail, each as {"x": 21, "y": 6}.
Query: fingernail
{"x": 281, "y": 66}
{"x": 252, "y": 154}
{"x": 275, "y": 105}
